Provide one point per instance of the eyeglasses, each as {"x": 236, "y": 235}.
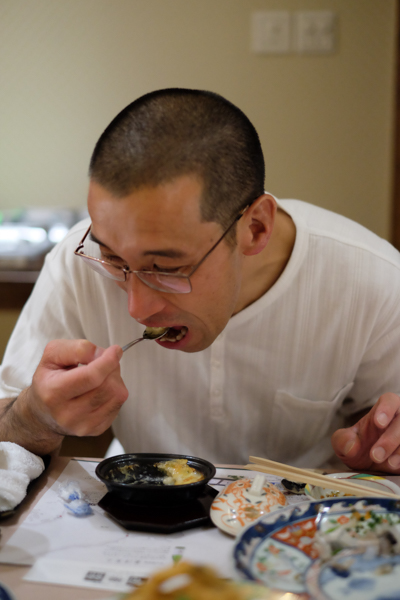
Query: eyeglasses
{"x": 173, "y": 283}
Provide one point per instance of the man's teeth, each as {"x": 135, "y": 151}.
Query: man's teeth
{"x": 174, "y": 335}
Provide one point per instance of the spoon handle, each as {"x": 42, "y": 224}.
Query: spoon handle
{"x": 132, "y": 343}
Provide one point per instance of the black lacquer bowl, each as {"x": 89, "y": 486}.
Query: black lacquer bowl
{"x": 147, "y": 485}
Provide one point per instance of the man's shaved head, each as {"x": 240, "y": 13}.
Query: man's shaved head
{"x": 174, "y": 132}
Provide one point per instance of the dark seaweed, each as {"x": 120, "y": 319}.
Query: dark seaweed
{"x": 134, "y": 474}
{"x": 293, "y": 487}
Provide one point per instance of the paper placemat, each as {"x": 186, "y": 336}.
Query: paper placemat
{"x": 96, "y": 552}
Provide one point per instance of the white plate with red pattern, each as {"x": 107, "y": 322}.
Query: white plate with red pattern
{"x": 243, "y": 501}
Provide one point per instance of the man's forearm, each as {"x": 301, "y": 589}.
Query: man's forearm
{"x": 19, "y": 424}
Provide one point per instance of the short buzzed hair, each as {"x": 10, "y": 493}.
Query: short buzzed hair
{"x": 173, "y": 132}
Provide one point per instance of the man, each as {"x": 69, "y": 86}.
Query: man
{"x": 284, "y": 317}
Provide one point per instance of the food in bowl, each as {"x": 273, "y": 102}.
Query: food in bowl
{"x": 168, "y": 472}
{"x": 178, "y": 472}
{"x": 139, "y": 478}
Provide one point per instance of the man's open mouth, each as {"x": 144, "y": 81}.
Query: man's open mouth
{"x": 174, "y": 334}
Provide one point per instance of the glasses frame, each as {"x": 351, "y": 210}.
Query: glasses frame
{"x": 126, "y": 271}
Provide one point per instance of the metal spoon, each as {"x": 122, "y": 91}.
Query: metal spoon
{"x": 147, "y": 335}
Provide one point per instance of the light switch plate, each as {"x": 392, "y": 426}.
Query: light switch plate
{"x": 314, "y": 32}
{"x": 270, "y": 31}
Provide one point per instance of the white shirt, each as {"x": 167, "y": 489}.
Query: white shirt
{"x": 323, "y": 342}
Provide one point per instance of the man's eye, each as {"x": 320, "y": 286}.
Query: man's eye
{"x": 111, "y": 258}
{"x": 161, "y": 269}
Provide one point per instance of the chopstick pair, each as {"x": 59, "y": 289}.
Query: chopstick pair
{"x": 304, "y": 476}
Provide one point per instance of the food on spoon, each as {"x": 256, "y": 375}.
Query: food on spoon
{"x": 195, "y": 582}
{"x": 169, "y": 334}
{"x": 152, "y": 332}
{"x": 170, "y": 472}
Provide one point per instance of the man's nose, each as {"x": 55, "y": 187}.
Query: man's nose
{"x": 143, "y": 301}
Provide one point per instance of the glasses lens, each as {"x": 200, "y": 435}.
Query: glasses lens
{"x": 164, "y": 282}
{"x": 104, "y": 268}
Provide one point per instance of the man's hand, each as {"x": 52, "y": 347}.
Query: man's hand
{"x": 373, "y": 443}
{"x": 76, "y": 390}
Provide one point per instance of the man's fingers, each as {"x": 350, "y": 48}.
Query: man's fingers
{"x": 350, "y": 446}
{"x": 68, "y": 353}
{"x": 86, "y": 399}
{"x": 394, "y": 460}
{"x": 388, "y": 443}
{"x": 96, "y": 410}
{"x": 346, "y": 443}
{"x": 374, "y": 441}
{"x": 386, "y": 409}
{"x": 93, "y": 374}
{"x": 78, "y": 381}
{"x": 77, "y": 388}
{"x": 386, "y": 416}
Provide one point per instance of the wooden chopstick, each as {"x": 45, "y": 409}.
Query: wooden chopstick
{"x": 303, "y": 475}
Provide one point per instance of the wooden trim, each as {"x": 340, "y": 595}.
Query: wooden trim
{"x": 13, "y": 295}
{"x": 395, "y": 233}
{"x": 19, "y": 276}
{"x": 92, "y": 447}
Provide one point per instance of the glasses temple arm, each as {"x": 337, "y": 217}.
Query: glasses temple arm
{"x": 240, "y": 215}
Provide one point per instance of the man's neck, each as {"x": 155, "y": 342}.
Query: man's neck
{"x": 262, "y": 270}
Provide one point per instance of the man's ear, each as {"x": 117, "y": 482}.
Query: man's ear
{"x": 256, "y": 225}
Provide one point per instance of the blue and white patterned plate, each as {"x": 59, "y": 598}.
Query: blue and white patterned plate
{"x": 278, "y": 551}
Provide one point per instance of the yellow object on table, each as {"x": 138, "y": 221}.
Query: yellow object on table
{"x": 195, "y": 582}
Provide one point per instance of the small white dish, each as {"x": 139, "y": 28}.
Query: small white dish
{"x": 243, "y": 501}
{"x": 371, "y": 481}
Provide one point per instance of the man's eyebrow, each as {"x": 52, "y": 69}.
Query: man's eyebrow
{"x": 165, "y": 253}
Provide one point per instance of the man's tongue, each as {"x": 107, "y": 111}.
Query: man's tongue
{"x": 174, "y": 334}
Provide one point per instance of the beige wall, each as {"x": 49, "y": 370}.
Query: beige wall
{"x": 68, "y": 66}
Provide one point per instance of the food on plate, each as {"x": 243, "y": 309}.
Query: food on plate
{"x": 169, "y": 472}
{"x": 318, "y": 493}
{"x": 186, "y": 581}
{"x": 374, "y": 482}
{"x": 364, "y": 531}
{"x": 293, "y": 487}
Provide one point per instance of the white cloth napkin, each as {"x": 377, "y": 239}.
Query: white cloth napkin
{"x": 17, "y": 468}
